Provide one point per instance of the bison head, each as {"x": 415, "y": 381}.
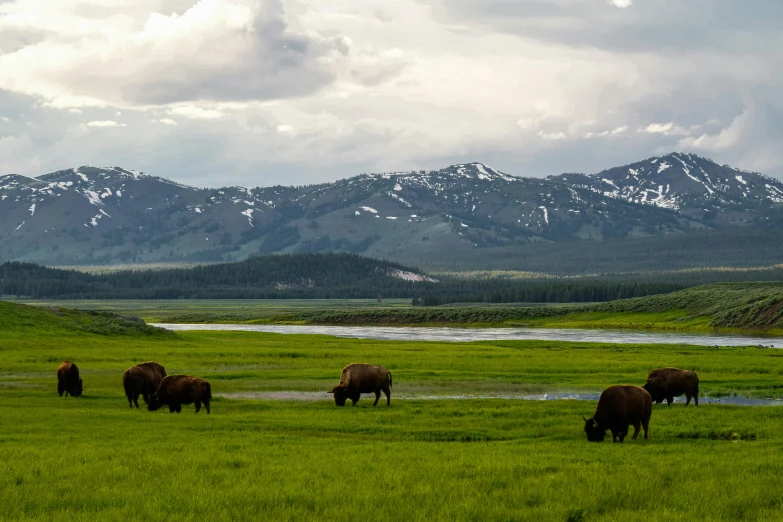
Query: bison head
{"x": 77, "y": 389}
{"x": 155, "y": 403}
{"x": 340, "y": 394}
{"x": 655, "y": 391}
{"x": 594, "y": 433}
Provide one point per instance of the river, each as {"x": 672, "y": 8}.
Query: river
{"x": 425, "y": 333}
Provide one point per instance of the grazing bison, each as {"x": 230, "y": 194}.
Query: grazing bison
{"x": 68, "y": 380}
{"x": 668, "y": 383}
{"x": 360, "y": 378}
{"x": 142, "y": 379}
{"x": 619, "y": 407}
{"x": 176, "y": 390}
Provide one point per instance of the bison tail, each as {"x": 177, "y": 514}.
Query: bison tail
{"x": 390, "y": 377}
{"x": 127, "y": 386}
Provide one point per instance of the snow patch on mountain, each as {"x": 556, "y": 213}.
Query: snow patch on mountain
{"x": 93, "y": 196}
{"x": 249, "y": 215}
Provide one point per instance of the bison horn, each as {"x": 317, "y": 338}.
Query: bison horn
{"x": 583, "y": 417}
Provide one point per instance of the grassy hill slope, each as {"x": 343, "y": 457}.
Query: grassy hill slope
{"x": 17, "y": 319}
{"x": 752, "y": 306}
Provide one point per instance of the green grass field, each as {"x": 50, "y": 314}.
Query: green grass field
{"x": 92, "y": 458}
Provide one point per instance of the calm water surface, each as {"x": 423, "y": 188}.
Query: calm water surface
{"x": 425, "y": 333}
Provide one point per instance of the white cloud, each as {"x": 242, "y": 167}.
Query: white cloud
{"x": 306, "y": 90}
{"x": 210, "y": 49}
{"x": 196, "y": 113}
{"x": 552, "y": 135}
{"x": 612, "y": 132}
{"x": 667, "y": 129}
{"x": 622, "y": 4}
{"x": 286, "y": 129}
{"x": 105, "y": 123}
{"x": 725, "y": 139}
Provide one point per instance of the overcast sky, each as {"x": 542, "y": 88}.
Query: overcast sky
{"x": 261, "y": 92}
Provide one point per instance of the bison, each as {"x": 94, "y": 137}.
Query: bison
{"x": 619, "y": 407}
{"x": 668, "y": 383}
{"x": 176, "y": 390}
{"x": 142, "y": 379}
{"x": 360, "y": 378}
{"x": 68, "y": 380}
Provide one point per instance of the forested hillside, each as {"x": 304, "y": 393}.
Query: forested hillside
{"x": 343, "y": 276}
{"x": 262, "y": 277}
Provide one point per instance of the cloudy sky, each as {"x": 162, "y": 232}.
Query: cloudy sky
{"x": 260, "y": 92}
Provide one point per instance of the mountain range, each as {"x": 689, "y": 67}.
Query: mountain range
{"x": 91, "y": 215}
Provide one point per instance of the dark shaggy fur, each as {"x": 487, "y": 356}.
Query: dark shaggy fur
{"x": 176, "y": 390}
{"x": 668, "y": 383}
{"x": 68, "y": 380}
{"x": 618, "y": 408}
{"x": 358, "y": 378}
{"x": 142, "y": 379}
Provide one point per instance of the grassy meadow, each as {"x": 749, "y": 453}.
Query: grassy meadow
{"x": 92, "y": 458}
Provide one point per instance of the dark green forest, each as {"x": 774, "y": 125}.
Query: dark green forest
{"x": 344, "y": 276}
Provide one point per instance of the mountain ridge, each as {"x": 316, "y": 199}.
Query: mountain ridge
{"x": 112, "y": 214}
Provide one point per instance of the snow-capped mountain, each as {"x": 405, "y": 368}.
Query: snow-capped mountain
{"x": 690, "y": 184}
{"x": 102, "y": 215}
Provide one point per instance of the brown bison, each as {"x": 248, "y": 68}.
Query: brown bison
{"x": 668, "y": 383}
{"x": 142, "y": 379}
{"x": 68, "y": 380}
{"x": 619, "y": 407}
{"x": 176, "y": 390}
{"x": 360, "y": 378}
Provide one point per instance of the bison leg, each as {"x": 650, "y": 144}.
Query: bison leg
{"x": 377, "y": 397}
{"x": 198, "y": 405}
{"x": 636, "y": 426}
{"x": 688, "y": 398}
{"x": 696, "y": 398}
{"x": 60, "y": 388}
{"x": 136, "y": 399}
{"x": 206, "y": 405}
{"x": 646, "y": 426}
{"x": 387, "y": 392}
{"x": 669, "y": 400}
{"x": 172, "y": 407}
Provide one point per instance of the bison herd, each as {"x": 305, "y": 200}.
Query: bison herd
{"x": 618, "y": 406}
{"x": 149, "y": 380}
{"x": 622, "y": 406}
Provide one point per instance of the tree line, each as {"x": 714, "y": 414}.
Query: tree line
{"x": 341, "y": 276}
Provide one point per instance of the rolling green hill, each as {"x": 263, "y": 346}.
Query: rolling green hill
{"x": 18, "y": 319}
